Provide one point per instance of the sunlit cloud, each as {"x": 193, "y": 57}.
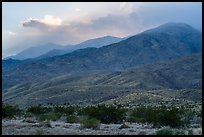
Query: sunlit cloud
{"x": 51, "y": 20}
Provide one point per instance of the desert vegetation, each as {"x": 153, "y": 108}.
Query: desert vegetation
{"x": 93, "y": 115}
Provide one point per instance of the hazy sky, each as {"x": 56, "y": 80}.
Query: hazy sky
{"x": 35, "y": 23}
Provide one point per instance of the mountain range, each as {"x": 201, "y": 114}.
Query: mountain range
{"x": 166, "y": 57}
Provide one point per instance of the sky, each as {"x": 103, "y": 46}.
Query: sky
{"x": 29, "y": 24}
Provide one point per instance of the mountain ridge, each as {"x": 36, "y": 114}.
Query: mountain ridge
{"x": 51, "y": 49}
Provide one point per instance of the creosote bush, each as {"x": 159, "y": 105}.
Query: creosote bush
{"x": 86, "y": 122}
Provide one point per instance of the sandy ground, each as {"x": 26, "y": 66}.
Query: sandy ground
{"x": 20, "y": 127}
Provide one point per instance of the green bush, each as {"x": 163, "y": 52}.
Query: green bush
{"x": 157, "y": 116}
{"x": 72, "y": 119}
{"x": 39, "y": 110}
{"x": 10, "y": 111}
{"x": 135, "y": 119}
{"x": 106, "y": 114}
{"x": 68, "y": 110}
{"x": 86, "y": 122}
{"x": 164, "y": 131}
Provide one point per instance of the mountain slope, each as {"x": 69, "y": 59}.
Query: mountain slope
{"x": 97, "y": 87}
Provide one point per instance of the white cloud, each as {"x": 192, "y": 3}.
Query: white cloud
{"x": 51, "y": 20}
{"x": 11, "y": 33}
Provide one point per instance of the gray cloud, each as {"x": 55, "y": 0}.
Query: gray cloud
{"x": 33, "y": 23}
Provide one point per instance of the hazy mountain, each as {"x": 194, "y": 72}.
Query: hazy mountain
{"x": 99, "y": 42}
{"x": 55, "y": 52}
{"x": 156, "y": 45}
{"x": 36, "y": 51}
{"x": 96, "y": 42}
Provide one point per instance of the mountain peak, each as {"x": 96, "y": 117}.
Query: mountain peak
{"x": 175, "y": 24}
{"x": 172, "y": 28}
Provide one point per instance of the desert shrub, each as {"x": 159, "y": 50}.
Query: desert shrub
{"x": 72, "y": 119}
{"x": 157, "y": 116}
{"x": 164, "y": 131}
{"x": 49, "y": 116}
{"x": 10, "y": 111}
{"x": 68, "y": 110}
{"x": 170, "y": 117}
{"x": 135, "y": 119}
{"x": 39, "y": 110}
{"x": 87, "y": 122}
{"x": 106, "y": 114}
